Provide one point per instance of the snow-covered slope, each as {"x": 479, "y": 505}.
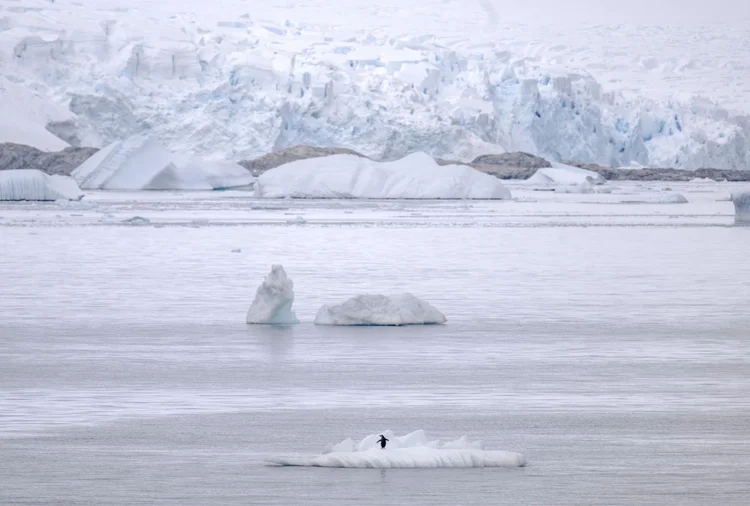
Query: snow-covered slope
{"x": 224, "y": 79}
{"x": 273, "y": 300}
{"x": 416, "y": 176}
{"x": 142, "y": 163}
{"x": 414, "y": 450}
{"x": 393, "y": 310}
{"x": 31, "y": 184}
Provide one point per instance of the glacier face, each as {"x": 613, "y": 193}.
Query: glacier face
{"x": 225, "y": 83}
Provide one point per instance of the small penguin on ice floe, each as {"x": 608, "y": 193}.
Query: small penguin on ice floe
{"x": 382, "y": 441}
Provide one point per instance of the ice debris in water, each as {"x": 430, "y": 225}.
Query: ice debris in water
{"x": 741, "y": 201}
{"x": 137, "y": 220}
{"x": 273, "y": 300}
{"x": 400, "y": 309}
{"x": 32, "y": 184}
{"x": 413, "y": 450}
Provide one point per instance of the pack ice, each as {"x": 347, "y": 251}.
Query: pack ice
{"x": 394, "y": 310}
{"x": 741, "y": 201}
{"x": 142, "y": 163}
{"x": 414, "y": 450}
{"x": 273, "y": 299}
{"x": 32, "y": 184}
{"x": 416, "y": 176}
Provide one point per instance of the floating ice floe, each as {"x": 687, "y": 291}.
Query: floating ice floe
{"x": 741, "y": 201}
{"x": 414, "y": 450}
{"x": 273, "y": 300}
{"x": 142, "y": 163}
{"x": 32, "y": 184}
{"x": 394, "y": 310}
{"x": 561, "y": 176}
{"x": 663, "y": 198}
{"x": 416, "y": 176}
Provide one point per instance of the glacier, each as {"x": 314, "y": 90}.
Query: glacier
{"x": 394, "y": 310}
{"x": 273, "y": 300}
{"x": 142, "y": 163}
{"x": 413, "y": 450}
{"x": 417, "y": 176}
{"x": 741, "y": 201}
{"x": 221, "y": 81}
{"x": 32, "y": 184}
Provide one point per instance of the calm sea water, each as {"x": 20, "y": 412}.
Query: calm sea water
{"x": 615, "y": 358}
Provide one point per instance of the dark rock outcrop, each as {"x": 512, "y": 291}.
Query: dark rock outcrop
{"x": 664, "y": 174}
{"x": 273, "y": 160}
{"x": 19, "y": 156}
{"x": 517, "y": 159}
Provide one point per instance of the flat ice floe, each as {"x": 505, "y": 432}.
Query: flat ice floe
{"x": 142, "y": 163}
{"x": 414, "y": 450}
{"x": 741, "y": 201}
{"x": 32, "y": 184}
{"x": 273, "y": 300}
{"x": 561, "y": 175}
{"x": 393, "y": 310}
{"x": 416, "y": 176}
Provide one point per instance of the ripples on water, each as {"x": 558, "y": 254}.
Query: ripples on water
{"x": 618, "y": 354}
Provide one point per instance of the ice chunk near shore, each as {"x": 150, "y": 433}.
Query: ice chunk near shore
{"x": 273, "y": 300}
{"x": 561, "y": 175}
{"x": 142, "y": 163}
{"x": 663, "y": 198}
{"x": 394, "y": 310}
{"x": 416, "y": 176}
{"x": 413, "y": 450}
{"x": 741, "y": 201}
{"x": 32, "y": 184}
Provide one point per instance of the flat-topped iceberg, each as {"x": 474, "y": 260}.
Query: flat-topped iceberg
{"x": 414, "y": 450}
{"x": 394, "y": 310}
{"x": 561, "y": 175}
{"x": 32, "y": 184}
{"x": 416, "y": 176}
{"x": 142, "y": 163}
{"x": 273, "y": 300}
{"x": 741, "y": 201}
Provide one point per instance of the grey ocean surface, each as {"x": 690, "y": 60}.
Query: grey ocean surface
{"x": 615, "y": 358}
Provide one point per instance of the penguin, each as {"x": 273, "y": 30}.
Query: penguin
{"x": 382, "y": 441}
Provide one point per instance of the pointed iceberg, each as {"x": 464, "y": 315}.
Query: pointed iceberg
{"x": 273, "y": 300}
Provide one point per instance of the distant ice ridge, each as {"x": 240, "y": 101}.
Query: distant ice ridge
{"x": 414, "y": 450}
{"x": 142, "y": 163}
{"x": 31, "y": 184}
{"x": 394, "y": 310}
{"x": 273, "y": 300}
{"x": 416, "y": 176}
{"x": 741, "y": 201}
